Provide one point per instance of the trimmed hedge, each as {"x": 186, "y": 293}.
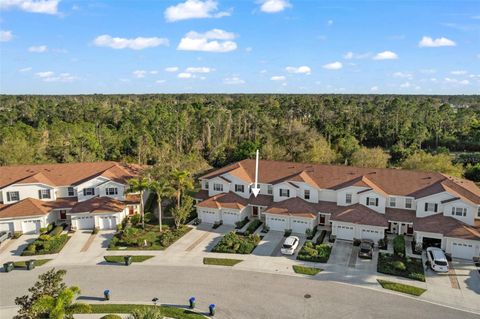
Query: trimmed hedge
{"x": 395, "y": 265}
{"x": 111, "y": 316}
{"x": 253, "y": 226}
{"x": 315, "y": 253}
{"x": 399, "y": 246}
{"x": 321, "y": 237}
{"x": 233, "y": 243}
{"x": 46, "y": 245}
{"x": 240, "y": 224}
{"x": 56, "y": 231}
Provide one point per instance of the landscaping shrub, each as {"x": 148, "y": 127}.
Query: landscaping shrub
{"x": 43, "y": 246}
{"x": 314, "y": 253}
{"x": 150, "y": 217}
{"x": 111, "y": 316}
{"x": 265, "y": 229}
{"x": 95, "y": 230}
{"x": 113, "y": 242}
{"x": 17, "y": 234}
{"x": 237, "y": 244}
{"x": 383, "y": 243}
{"x": 395, "y": 265}
{"x": 50, "y": 227}
{"x": 45, "y": 237}
{"x": 287, "y": 233}
{"x": 56, "y": 231}
{"x": 321, "y": 237}
{"x": 43, "y": 230}
{"x": 356, "y": 242}
{"x": 252, "y": 227}
{"x": 167, "y": 238}
{"x": 217, "y": 224}
{"x": 135, "y": 219}
{"x": 311, "y": 232}
{"x": 241, "y": 223}
{"x": 399, "y": 265}
{"x": 399, "y": 246}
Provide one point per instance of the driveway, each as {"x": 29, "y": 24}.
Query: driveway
{"x": 341, "y": 252}
{"x": 14, "y": 247}
{"x": 270, "y": 244}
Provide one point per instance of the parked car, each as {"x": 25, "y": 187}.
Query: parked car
{"x": 289, "y": 245}
{"x": 4, "y": 235}
{"x": 366, "y": 249}
{"x": 437, "y": 259}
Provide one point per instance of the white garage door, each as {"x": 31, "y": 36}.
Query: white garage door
{"x": 300, "y": 226}
{"x": 31, "y": 226}
{"x": 108, "y": 222}
{"x": 372, "y": 234}
{"x": 230, "y": 218}
{"x": 7, "y": 227}
{"x": 277, "y": 223}
{"x": 462, "y": 250}
{"x": 85, "y": 222}
{"x": 208, "y": 217}
{"x": 345, "y": 232}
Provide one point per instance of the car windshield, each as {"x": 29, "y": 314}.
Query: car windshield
{"x": 441, "y": 262}
{"x": 365, "y": 249}
{"x": 365, "y": 246}
{"x": 287, "y": 246}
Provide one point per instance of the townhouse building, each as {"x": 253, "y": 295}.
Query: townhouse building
{"x": 433, "y": 208}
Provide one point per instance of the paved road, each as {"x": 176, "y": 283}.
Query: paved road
{"x": 238, "y": 294}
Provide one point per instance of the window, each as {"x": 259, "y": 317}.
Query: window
{"x": 348, "y": 198}
{"x": 44, "y": 193}
{"x": 408, "y": 203}
{"x": 89, "y": 191}
{"x": 459, "y": 211}
{"x": 206, "y": 184}
{"x": 269, "y": 189}
{"x": 393, "y": 202}
{"x": 13, "y": 196}
{"x": 218, "y": 187}
{"x": 306, "y": 194}
{"x": 431, "y": 207}
{"x": 372, "y": 201}
{"x": 71, "y": 191}
{"x": 111, "y": 191}
{"x": 284, "y": 192}
{"x": 239, "y": 188}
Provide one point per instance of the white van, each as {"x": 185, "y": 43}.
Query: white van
{"x": 438, "y": 260}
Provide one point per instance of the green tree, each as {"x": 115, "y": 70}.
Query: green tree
{"x": 181, "y": 213}
{"x": 472, "y": 172}
{"x": 181, "y": 182}
{"x": 370, "y": 157}
{"x": 346, "y": 146}
{"x": 60, "y": 306}
{"x": 146, "y": 313}
{"x": 139, "y": 185}
{"x": 424, "y": 161}
{"x": 163, "y": 189}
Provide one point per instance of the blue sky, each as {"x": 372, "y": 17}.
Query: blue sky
{"x": 248, "y": 46}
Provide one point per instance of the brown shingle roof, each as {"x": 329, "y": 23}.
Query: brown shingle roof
{"x": 359, "y": 214}
{"x": 132, "y": 199}
{"x": 99, "y": 205}
{"x": 65, "y": 174}
{"x": 400, "y": 215}
{"x": 261, "y": 200}
{"x": 448, "y": 226}
{"x": 25, "y": 208}
{"x": 390, "y": 181}
{"x": 201, "y": 194}
{"x": 224, "y": 200}
{"x": 293, "y": 207}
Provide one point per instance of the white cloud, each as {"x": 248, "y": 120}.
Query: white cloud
{"x": 329, "y": 23}
{"x": 386, "y": 55}
{"x": 405, "y": 85}
{"x": 185, "y": 75}
{"x": 171, "y": 69}
{"x": 274, "y": 6}
{"x": 28, "y": 69}
{"x": 215, "y": 40}
{"x": 459, "y": 72}
{"x": 248, "y": 50}
{"x": 278, "y": 78}
{"x": 38, "y": 49}
{"x": 428, "y": 71}
{"x": 406, "y": 75}
{"x": 160, "y": 81}
{"x": 139, "y": 73}
{"x": 351, "y": 55}
{"x": 41, "y": 6}
{"x": 428, "y": 42}
{"x": 299, "y": 70}
{"x": 201, "y": 69}
{"x": 5, "y": 36}
{"x": 194, "y": 9}
{"x": 374, "y": 88}
{"x": 234, "y": 80}
{"x": 333, "y": 66}
{"x": 138, "y": 43}
{"x": 50, "y": 76}
{"x": 456, "y": 81}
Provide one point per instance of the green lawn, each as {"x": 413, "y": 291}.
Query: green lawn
{"x": 23, "y": 264}
{"x": 233, "y": 243}
{"x": 221, "y": 261}
{"x": 407, "y": 267}
{"x": 121, "y": 259}
{"x": 407, "y": 289}
{"x": 171, "y": 312}
{"x": 306, "y": 270}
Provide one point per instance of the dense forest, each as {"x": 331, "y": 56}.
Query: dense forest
{"x": 421, "y": 132}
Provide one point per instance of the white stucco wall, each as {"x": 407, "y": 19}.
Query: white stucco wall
{"x": 362, "y": 198}
{"x": 284, "y": 185}
{"x": 27, "y": 190}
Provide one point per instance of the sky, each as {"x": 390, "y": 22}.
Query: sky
{"x": 246, "y": 46}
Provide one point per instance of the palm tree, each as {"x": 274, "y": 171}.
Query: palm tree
{"x": 163, "y": 189}
{"x": 61, "y": 306}
{"x": 181, "y": 181}
{"x": 139, "y": 185}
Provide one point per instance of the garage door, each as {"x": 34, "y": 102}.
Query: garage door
{"x": 462, "y": 250}
{"x": 86, "y": 222}
{"x": 345, "y": 232}
{"x": 277, "y": 223}
{"x": 300, "y": 226}
{"x": 31, "y": 226}
{"x": 208, "y": 217}
{"x": 108, "y": 222}
{"x": 7, "y": 227}
{"x": 229, "y": 218}
{"x": 372, "y": 234}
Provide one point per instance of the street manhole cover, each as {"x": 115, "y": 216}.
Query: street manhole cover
{"x": 307, "y": 296}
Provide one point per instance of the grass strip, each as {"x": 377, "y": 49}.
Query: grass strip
{"x": 23, "y": 264}
{"x": 221, "y": 261}
{"x": 121, "y": 259}
{"x": 407, "y": 289}
{"x": 311, "y": 271}
{"x": 166, "y": 311}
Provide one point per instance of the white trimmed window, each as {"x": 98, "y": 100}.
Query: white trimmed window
{"x": 218, "y": 187}
{"x": 70, "y": 191}
{"x": 459, "y": 211}
{"x": 206, "y": 184}
{"x": 372, "y": 201}
{"x": 431, "y": 207}
{"x": 239, "y": 188}
{"x": 89, "y": 191}
{"x": 270, "y": 189}
{"x": 306, "y": 194}
{"x": 44, "y": 193}
{"x": 408, "y": 203}
{"x": 111, "y": 191}
{"x": 284, "y": 192}
{"x": 348, "y": 198}
{"x": 392, "y": 202}
{"x": 13, "y": 196}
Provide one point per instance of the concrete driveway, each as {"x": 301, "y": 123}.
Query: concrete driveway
{"x": 270, "y": 244}
{"x": 468, "y": 277}
{"x": 341, "y": 252}
{"x": 14, "y": 247}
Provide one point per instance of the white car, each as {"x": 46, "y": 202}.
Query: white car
{"x": 438, "y": 260}
{"x": 289, "y": 245}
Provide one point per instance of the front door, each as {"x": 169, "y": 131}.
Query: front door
{"x": 322, "y": 220}
{"x": 254, "y": 211}
{"x": 410, "y": 229}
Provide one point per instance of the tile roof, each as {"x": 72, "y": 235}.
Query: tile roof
{"x": 359, "y": 214}
{"x": 99, "y": 205}
{"x": 201, "y": 194}
{"x": 261, "y": 200}
{"x": 66, "y": 174}
{"x": 448, "y": 226}
{"x": 224, "y": 200}
{"x": 293, "y": 207}
{"x": 400, "y": 215}
{"x": 389, "y": 181}
{"x": 132, "y": 199}
{"x": 25, "y": 208}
